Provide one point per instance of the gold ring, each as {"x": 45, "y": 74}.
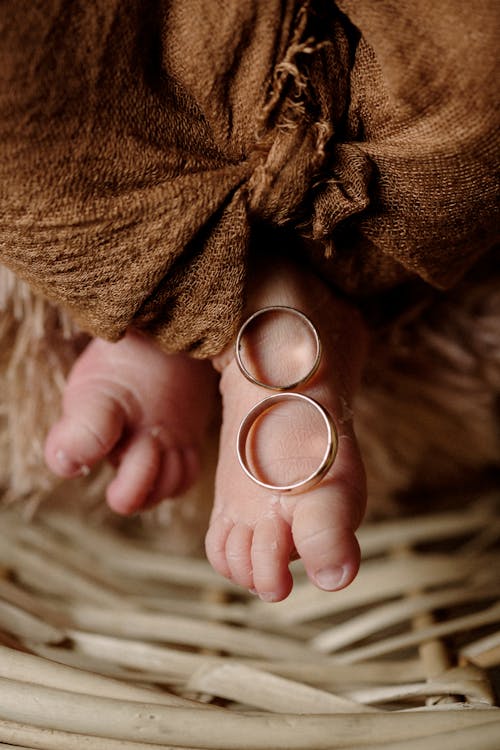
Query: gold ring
{"x": 328, "y": 457}
{"x": 273, "y": 386}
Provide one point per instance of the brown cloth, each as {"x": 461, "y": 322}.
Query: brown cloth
{"x": 141, "y": 141}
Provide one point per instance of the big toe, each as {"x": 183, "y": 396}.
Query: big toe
{"x": 91, "y": 425}
{"x": 325, "y": 519}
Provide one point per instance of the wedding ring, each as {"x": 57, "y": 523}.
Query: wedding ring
{"x": 311, "y": 328}
{"x": 257, "y": 412}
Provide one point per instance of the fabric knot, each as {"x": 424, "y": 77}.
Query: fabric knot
{"x": 278, "y": 186}
{"x": 299, "y": 118}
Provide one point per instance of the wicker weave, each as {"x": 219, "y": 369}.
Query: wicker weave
{"x": 108, "y": 643}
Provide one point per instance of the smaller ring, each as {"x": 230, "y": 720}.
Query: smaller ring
{"x": 270, "y": 386}
{"x": 326, "y": 462}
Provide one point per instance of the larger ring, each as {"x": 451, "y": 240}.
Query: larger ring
{"x": 271, "y": 386}
{"x": 326, "y": 462}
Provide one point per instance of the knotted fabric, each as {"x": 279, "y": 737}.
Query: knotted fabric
{"x": 142, "y": 141}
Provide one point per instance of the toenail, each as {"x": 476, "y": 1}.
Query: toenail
{"x": 84, "y": 470}
{"x": 65, "y": 463}
{"x": 332, "y": 578}
{"x": 267, "y": 597}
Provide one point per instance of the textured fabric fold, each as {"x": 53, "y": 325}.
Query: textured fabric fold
{"x": 141, "y": 142}
{"x": 424, "y": 111}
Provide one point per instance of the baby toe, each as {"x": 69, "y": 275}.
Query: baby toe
{"x": 271, "y": 549}
{"x": 215, "y": 544}
{"x": 238, "y": 554}
{"x": 325, "y": 519}
{"x": 91, "y": 425}
{"x": 136, "y": 476}
{"x": 180, "y": 467}
{"x": 325, "y": 542}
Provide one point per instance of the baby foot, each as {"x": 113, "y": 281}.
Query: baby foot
{"x": 144, "y": 410}
{"x": 255, "y": 532}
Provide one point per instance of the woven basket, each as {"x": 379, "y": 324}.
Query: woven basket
{"x": 107, "y": 643}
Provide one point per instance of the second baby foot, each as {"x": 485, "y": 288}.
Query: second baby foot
{"x": 145, "y": 410}
{"x": 254, "y": 532}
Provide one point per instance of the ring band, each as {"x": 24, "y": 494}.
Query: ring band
{"x": 326, "y": 462}
{"x": 270, "y": 386}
